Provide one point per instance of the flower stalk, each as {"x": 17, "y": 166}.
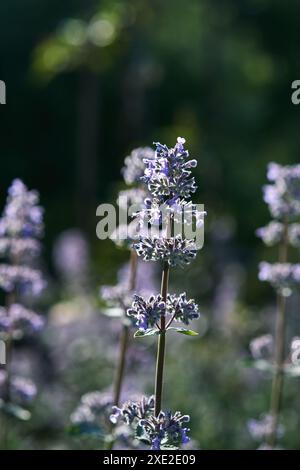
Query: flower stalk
{"x": 21, "y": 227}
{"x": 283, "y": 198}
{"x": 10, "y": 299}
{"x": 169, "y": 184}
{"x": 124, "y": 337}
{"x": 278, "y": 379}
{"x": 8, "y": 354}
{"x": 161, "y": 343}
{"x": 123, "y": 345}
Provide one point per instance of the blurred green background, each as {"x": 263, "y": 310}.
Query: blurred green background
{"x": 88, "y": 81}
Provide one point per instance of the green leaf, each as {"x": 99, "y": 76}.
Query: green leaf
{"x": 141, "y": 435}
{"x": 139, "y": 432}
{"x": 88, "y": 429}
{"x": 168, "y": 447}
{"x": 168, "y": 443}
{"x": 15, "y": 411}
{"x": 292, "y": 370}
{"x": 150, "y": 332}
{"x": 184, "y": 331}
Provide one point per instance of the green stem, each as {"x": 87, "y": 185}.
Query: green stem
{"x": 10, "y": 299}
{"x": 133, "y": 270}
{"x": 161, "y": 343}
{"x": 124, "y": 338}
{"x": 121, "y": 365}
{"x": 278, "y": 379}
{"x": 124, "y": 341}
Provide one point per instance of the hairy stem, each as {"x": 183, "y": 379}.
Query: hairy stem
{"x": 133, "y": 270}
{"x": 278, "y": 379}
{"x": 161, "y": 343}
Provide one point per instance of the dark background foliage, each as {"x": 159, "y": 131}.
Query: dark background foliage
{"x": 218, "y": 73}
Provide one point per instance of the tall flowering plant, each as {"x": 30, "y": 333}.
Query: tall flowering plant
{"x": 21, "y": 227}
{"x": 170, "y": 185}
{"x": 92, "y": 414}
{"x": 283, "y": 198}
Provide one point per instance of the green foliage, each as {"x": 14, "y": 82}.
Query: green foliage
{"x": 184, "y": 331}
{"x": 150, "y": 332}
{"x": 89, "y": 429}
{"x": 14, "y": 410}
{"x": 215, "y": 72}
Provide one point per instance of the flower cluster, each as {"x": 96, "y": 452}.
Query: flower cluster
{"x": 134, "y": 164}
{"x": 92, "y": 413}
{"x": 17, "y": 247}
{"x": 21, "y": 227}
{"x": 167, "y": 212}
{"x": 131, "y": 200}
{"x": 96, "y": 416}
{"x": 116, "y": 295}
{"x": 133, "y": 410}
{"x": 124, "y": 234}
{"x": 283, "y": 198}
{"x": 27, "y": 279}
{"x": 131, "y": 197}
{"x": 260, "y": 429}
{"x": 273, "y": 233}
{"x": 120, "y": 296}
{"x": 166, "y": 429}
{"x": 182, "y": 309}
{"x": 22, "y": 390}
{"x": 283, "y": 195}
{"x": 22, "y": 220}
{"x": 147, "y": 313}
{"x": 91, "y": 406}
{"x": 168, "y": 175}
{"x": 294, "y": 235}
{"x": 282, "y": 276}
{"x": 153, "y": 213}
{"x": 176, "y": 251}
{"x": 18, "y": 320}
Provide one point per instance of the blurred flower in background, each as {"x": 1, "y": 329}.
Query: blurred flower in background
{"x": 92, "y": 81}
{"x": 71, "y": 258}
